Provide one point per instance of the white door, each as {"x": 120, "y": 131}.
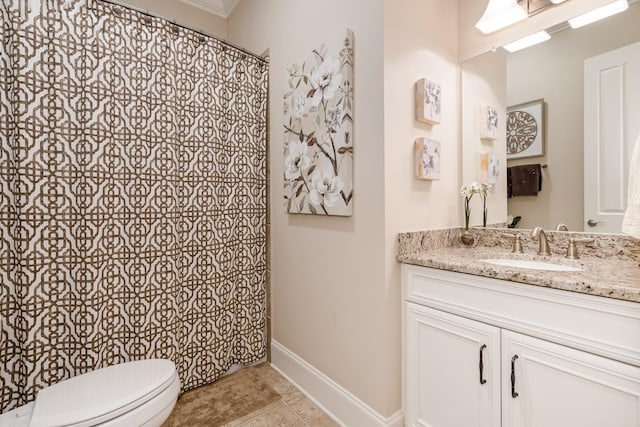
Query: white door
{"x": 452, "y": 370}
{"x": 549, "y": 385}
{"x": 611, "y": 126}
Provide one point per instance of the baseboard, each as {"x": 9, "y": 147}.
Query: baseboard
{"x": 345, "y": 408}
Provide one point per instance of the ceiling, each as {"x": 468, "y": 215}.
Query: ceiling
{"x": 219, "y": 7}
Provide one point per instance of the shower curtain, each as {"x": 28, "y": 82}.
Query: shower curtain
{"x": 133, "y": 208}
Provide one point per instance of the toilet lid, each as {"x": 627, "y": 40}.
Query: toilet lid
{"x": 112, "y": 390}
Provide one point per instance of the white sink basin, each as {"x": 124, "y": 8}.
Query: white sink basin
{"x": 534, "y": 265}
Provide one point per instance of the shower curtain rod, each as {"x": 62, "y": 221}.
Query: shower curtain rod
{"x": 201, "y": 32}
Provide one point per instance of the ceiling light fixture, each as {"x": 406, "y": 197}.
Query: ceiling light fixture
{"x": 599, "y": 13}
{"x": 557, "y": 1}
{"x": 500, "y": 14}
{"x": 528, "y": 41}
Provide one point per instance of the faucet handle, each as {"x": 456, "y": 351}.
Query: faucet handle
{"x": 572, "y": 249}
{"x": 517, "y": 242}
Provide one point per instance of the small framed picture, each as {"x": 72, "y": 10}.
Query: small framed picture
{"x": 427, "y": 158}
{"x": 526, "y": 130}
{"x": 490, "y": 167}
{"x": 488, "y": 123}
{"x": 428, "y": 101}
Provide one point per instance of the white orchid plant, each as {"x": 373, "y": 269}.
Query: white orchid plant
{"x": 467, "y": 193}
{"x": 485, "y": 189}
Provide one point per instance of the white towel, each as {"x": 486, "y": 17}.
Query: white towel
{"x": 631, "y": 222}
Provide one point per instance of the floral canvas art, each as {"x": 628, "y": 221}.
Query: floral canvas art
{"x": 318, "y": 131}
{"x": 428, "y": 101}
{"x": 488, "y": 123}
{"x": 427, "y": 158}
{"x": 490, "y": 167}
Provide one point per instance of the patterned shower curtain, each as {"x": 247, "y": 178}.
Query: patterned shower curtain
{"x": 133, "y": 207}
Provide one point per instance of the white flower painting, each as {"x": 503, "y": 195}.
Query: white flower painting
{"x": 318, "y": 129}
{"x": 326, "y": 187}
{"x": 428, "y": 104}
{"x": 297, "y": 160}
{"x": 427, "y": 158}
{"x": 490, "y": 167}
{"x": 488, "y": 123}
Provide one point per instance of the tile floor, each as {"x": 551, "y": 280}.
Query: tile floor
{"x": 292, "y": 409}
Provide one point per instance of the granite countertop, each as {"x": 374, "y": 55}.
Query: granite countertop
{"x": 610, "y": 266}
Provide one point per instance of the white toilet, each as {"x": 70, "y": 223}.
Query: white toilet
{"x": 140, "y": 393}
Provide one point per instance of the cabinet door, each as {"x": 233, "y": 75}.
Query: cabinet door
{"x": 549, "y": 385}
{"x": 444, "y": 383}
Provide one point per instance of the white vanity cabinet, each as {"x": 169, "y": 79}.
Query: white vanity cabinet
{"x": 452, "y": 370}
{"x": 486, "y": 352}
{"x": 554, "y": 385}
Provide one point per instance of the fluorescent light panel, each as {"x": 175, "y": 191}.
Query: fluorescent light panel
{"x": 599, "y": 13}
{"x": 528, "y": 41}
{"x": 500, "y": 14}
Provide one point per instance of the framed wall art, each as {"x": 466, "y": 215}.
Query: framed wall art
{"x": 427, "y": 158}
{"x": 318, "y": 131}
{"x": 428, "y": 98}
{"x": 526, "y": 130}
{"x": 490, "y": 167}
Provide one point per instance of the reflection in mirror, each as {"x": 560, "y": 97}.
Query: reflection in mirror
{"x": 553, "y": 71}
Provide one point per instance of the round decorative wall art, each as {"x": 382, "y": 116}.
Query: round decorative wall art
{"x": 522, "y": 130}
{"x": 525, "y": 130}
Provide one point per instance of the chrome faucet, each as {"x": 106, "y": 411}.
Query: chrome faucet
{"x": 562, "y": 227}
{"x": 543, "y": 246}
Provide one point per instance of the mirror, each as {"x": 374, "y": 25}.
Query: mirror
{"x": 552, "y": 71}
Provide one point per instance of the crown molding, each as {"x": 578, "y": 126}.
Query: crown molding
{"x": 221, "y": 8}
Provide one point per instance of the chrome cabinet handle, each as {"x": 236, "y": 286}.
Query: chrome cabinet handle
{"x": 592, "y": 223}
{"x": 482, "y": 380}
{"x": 513, "y": 376}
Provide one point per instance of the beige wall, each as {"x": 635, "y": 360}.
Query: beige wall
{"x": 420, "y": 40}
{"x": 483, "y": 83}
{"x": 558, "y": 78}
{"x": 330, "y": 302}
{"x": 335, "y": 281}
{"x": 184, "y": 14}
